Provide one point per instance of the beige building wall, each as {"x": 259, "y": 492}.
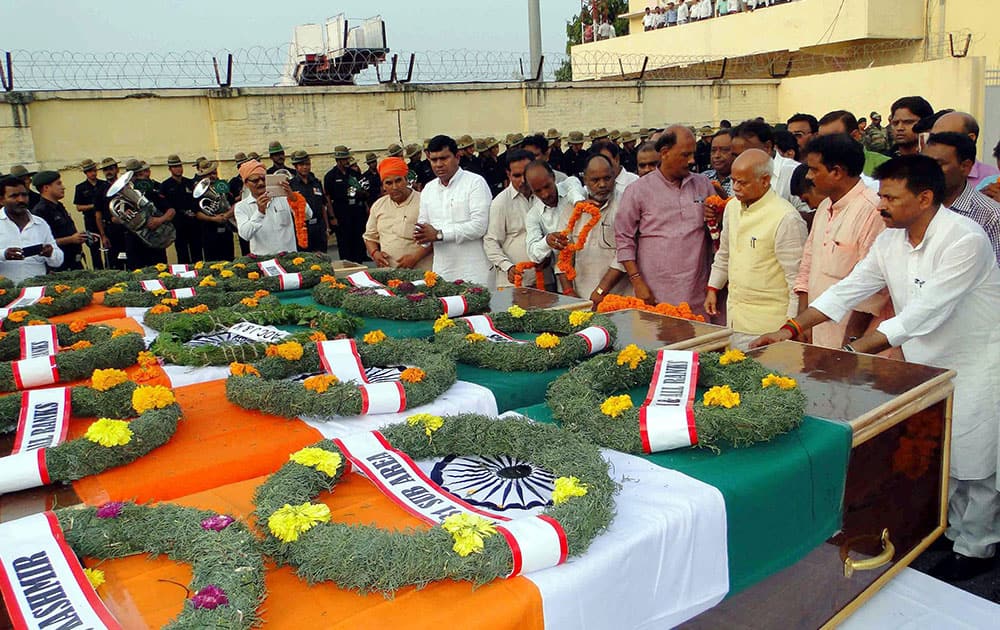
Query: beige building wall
{"x": 980, "y": 18}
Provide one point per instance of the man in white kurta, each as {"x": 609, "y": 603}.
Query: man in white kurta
{"x": 454, "y": 216}
{"x": 265, "y": 221}
{"x": 944, "y": 282}
{"x": 545, "y": 220}
{"x": 505, "y": 240}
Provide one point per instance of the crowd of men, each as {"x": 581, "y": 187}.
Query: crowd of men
{"x": 825, "y": 230}
{"x": 681, "y": 12}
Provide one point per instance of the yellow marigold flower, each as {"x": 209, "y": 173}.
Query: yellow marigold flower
{"x": 253, "y": 275}
{"x": 46, "y": 299}
{"x": 146, "y": 398}
{"x": 147, "y": 359}
{"x": 61, "y": 288}
{"x": 431, "y": 422}
{"x": 289, "y": 351}
{"x": 219, "y": 266}
{"x": 226, "y": 273}
{"x": 616, "y": 405}
{"x": 315, "y": 268}
{"x": 169, "y": 301}
{"x": 320, "y": 382}
{"x": 721, "y": 397}
{"x": 474, "y": 337}
{"x": 631, "y": 354}
{"x": 159, "y": 292}
{"x": 80, "y": 290}
{"x": 784, "y": 382}
{"x": 240, "y": 266}
{"x": 412, "y": 375}
{"x": 114, "y": 290}
{"x": 547, "y": 341}
{"x": 78, "y": 326}
{"x": 249, "y": 301}
{"x": 516, "y": 311}
{"x": 109, "y": 433}
{"x": 468, "y": 531}
{"x": 137, "y": 271}
{"x": 161, "y": 267}
{"x": 95, "y": 577}
{"x": 159, "y": 309}
{"x": 579, "y": 318}
{"x": 319, "y": 458}
{"x": 164, "y": 274}
{"x": 430, "y": 278}
{"x": 566, "y": 488}
{"x": 194, "y": 310}
{"x": 374, "y": 337}
{"x": 259, "y": 293}
{"x": 207, "y": 281}
{"x": 79, "y": 345}
{"x": 289, "y": 521}
{"x": 37, "y": 322}
{"x": 103, "y": 380}
{"x": 3, "y": 334}
{"x": 242, "y": 369}
{"x": 298, "y": 260}
{"x": 17, "y": 316}
{"x": 199, "y": 264}
{"x": 443, "y": 322}
{"x": 119, "y": 332}
{"x": 731, "y": 356}
{"x": 466, "y": 544}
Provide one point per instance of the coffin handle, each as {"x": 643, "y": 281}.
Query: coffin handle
{"x": 882, "y": 559}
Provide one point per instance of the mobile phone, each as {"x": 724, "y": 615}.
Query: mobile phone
{"x": 31, "y": 250}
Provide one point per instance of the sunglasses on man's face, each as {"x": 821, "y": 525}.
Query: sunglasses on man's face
{"x": 255, "y": 180}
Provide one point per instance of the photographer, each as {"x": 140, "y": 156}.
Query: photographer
{"x": 265, "y": 221}
{"x": 53, "y": 212}
{"x": 26, "y": 242}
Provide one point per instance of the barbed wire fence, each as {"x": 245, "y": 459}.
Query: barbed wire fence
{"x": 23, "y": 70}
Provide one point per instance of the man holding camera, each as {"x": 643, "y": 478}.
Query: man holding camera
{"x": 27, "y": 247}
{"x": 265, "y": 221}
{"x": 52, "y": 211}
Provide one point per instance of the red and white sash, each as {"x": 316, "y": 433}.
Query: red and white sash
{"x": 42, "y": 581}
{"x": 483, "y": 325}
{"x": 29, "y": 373}
{"x": 363, "y": 279}
{"x": 287, "y": 281}
{"x": 27, "y": 297}
{"x": 38, "y": 341}
{"x": 43, "y": 423}
{"x": 183, "y": 271}
{"x": 340, "y": 357}
{"x": 454, "y": 305}
{"x": 537, "y": 542}
{"x": 596, "y": 337}
{"x": 156, "y": 285}
{"x": 666, "y": 418}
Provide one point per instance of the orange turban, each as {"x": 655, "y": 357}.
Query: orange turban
{"x": 392, "y": 167}
{"x": 248, "y": 168}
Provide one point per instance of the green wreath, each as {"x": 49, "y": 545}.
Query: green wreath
{"x": 761, "y": 413}
{"x": 414, "y": 299}
{"x": 177, "y": 329}
{"x": 59, "y": 299}
{"x": 223, "y": 553}
{"x": 93, "y": 281}
{"x": 132, "y": 294}
{"x": 365, "y": 558}
{"x": 104, "y": 348}
{"x": 548, "y": 351}
{"x": 264, "y": 386}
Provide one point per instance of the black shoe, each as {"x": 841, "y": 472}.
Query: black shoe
{"x": 941, "y": 544}
{"x": 958, "y": 568}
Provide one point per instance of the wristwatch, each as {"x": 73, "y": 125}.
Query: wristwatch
{"x": 599, "y": 291}
{"x": 439, "y": 236}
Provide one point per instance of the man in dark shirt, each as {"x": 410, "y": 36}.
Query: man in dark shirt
{"x": 51, "y": 210}
{"x": 555, "y": 148}
{"x": 420, "y": 173}
{"x": 574, "y": 159}
{"x": 371, "y": 180}
{"x": 177, "y": 190}
{"x": 216, "y": 229}
{"x": 25, "y": 176}
{"x": 236, "y": 193}
{"x": 494, "y": 172}
{"x": 628, "y": 156}
{"x": 703, "y": 149}
{"x": 139, "y": 253}
{"x": 467, "y": 154}
{"x": 307, "y": 185}
{"x": 113, "y": 229}
{"x": 85, "y": 198}
{"x": 348, "y": 205}
{"x": 277, "y": 154}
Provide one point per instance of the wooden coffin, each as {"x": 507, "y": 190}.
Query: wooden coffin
{"x": 652, "y": 331}
{"x": 530, "y": 299}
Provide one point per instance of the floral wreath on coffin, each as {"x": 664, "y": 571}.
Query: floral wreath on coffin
{"x": 334, "y": 381}
{"x": 92, "y": 280}
{"x": 37, "y": 353}
{"x": 36, "y": 302}
{"x": 246, "y": 273}
{"x": 111, "y": 441}
{"x": 744, "y": 403}
{"x": 485, "y": 341}
{"x": 250, "y": 323}
{"x": 206, "y": 293}
{"x": 224, "y": 555}
{"x": 402, "y": 294}
{"x": 463, "y": 546}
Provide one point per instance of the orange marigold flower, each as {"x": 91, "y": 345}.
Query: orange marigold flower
{"x": 79, "y": 345}
{"x": 430, "y": 278}
{"x": 3, "y": 291}
{"x": 412, "y": 375}
{"x": 80, "y": 290}
{"x": 194, "y": 310}
{"x": 317, "y": 336}
{"x": 159, "y": 309}
{"x": 169, "y": 301}
{"x": 46, "y": 299}
{"x": 259, "y": 293}
{"x": 242, "y": 369}
{"x": 37, "y": 322}
{"x": 249, "y": 301}
{"x": 147, "y": 359}
{"x": 395, "y": 282}
{"x": 18, "y": 316}
{"x": 61, "y": 288}
{"x": 78, "y": 326}
{"x": 320, "y": 383}
{"x": 119, "y": 332}
{"x": 253, "y": 275}
{"x": 328, "y": 278}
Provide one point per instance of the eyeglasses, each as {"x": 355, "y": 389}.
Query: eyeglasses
{"x": 254, "y": 180}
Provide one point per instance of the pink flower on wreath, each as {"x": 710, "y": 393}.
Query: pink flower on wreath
{"x": 110, "y": 510}
{"x": 459, "y": 282}
{"x": 217, "y": 523}
{"x": 416, "y": 297}
{"x": 210, "y": 597}
{"x": 476, "y": 290}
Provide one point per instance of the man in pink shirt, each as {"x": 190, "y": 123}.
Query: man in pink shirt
{"x": 844, "y": 228}
{"x": 660, "y": 227}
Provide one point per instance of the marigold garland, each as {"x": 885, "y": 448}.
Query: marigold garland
{"x": 519, "y": 270}
{"x": 298, "y": 205}
{"x": 613, "y": 302}
{"x": 565, "y": 258}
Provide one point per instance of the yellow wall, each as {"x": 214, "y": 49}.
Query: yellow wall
{"x": 981, "y": 18}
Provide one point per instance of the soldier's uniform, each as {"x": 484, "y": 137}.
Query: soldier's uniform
{"x": 87, "y": 194}
{"x": 312, "y": 189}
{"x": 55, "y": 214}
{"x": 178, "y": 195}
{"x": 348, "y": 202}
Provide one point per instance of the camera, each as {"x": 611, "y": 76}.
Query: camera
{"x": 92, "y": 239}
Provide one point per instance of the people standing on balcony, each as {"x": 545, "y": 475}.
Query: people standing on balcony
{"x": 961, "y": 122}
{"x": 803, "y": 127}
{"x": 907, "y": 112}
{"x": 721, "y": 8}
{"x": 649, "y": 20}
{"x": 683, "y": 12}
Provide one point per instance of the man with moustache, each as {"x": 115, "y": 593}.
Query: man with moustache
{"x": 721, "y": 160}
{"x": 506, "y": 239}
{"x": 177, "y": 190}
{"x": 942, "y": 275}
{"x": 598, "y": 271}
{"x": 389, "y": 231}
{"x": 113, "y": 228}
{"x": 52, "y": 211}
{"x": 20, "y": 229}
{"x": 647, "y": 158}
{"x": 85, "y": 198}
{"x": 267, "y": 223}
{"x": 548, "y": 215}
{"x": 759, "y": 253}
